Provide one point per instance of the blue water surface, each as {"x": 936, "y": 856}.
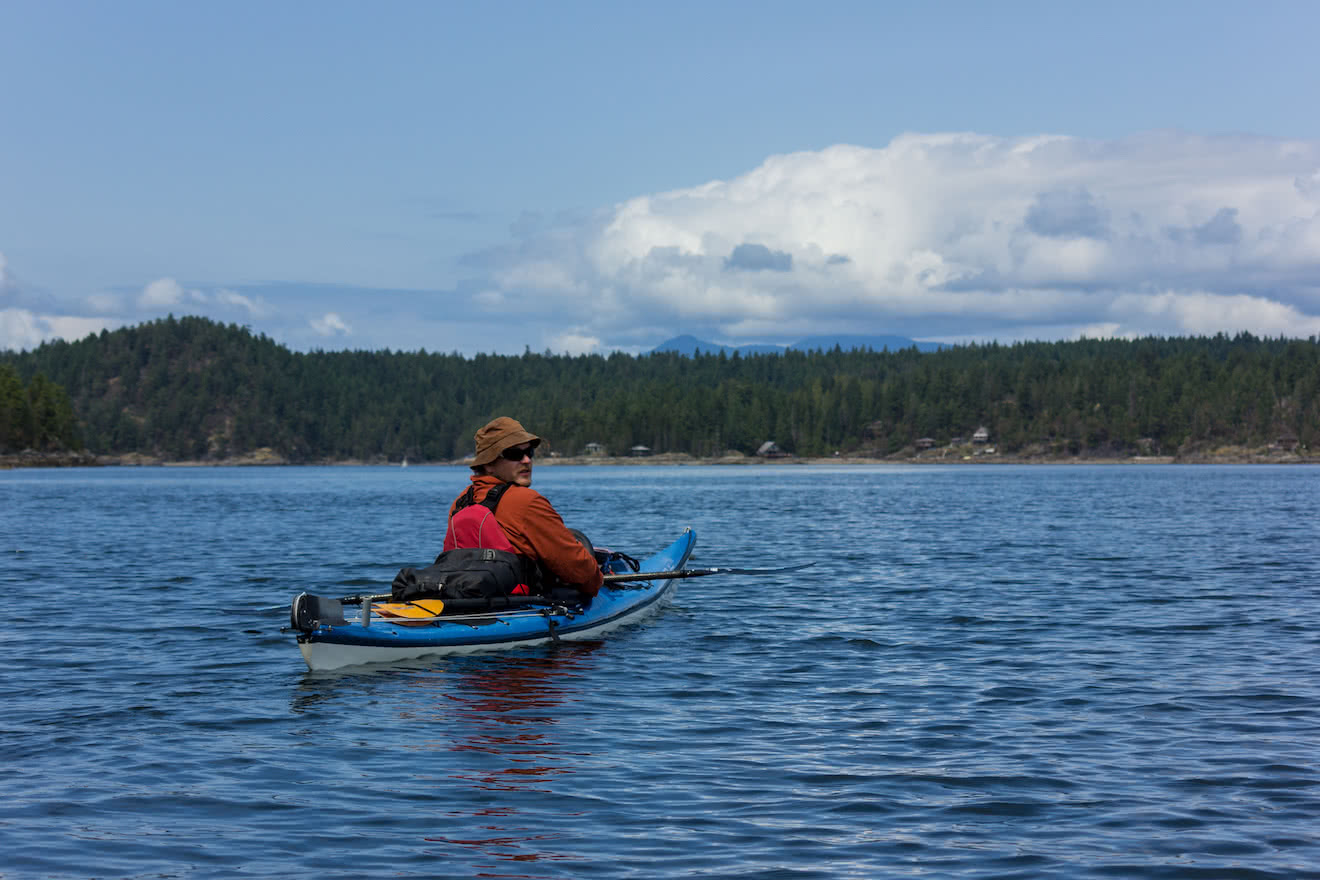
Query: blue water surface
{"x": 990, "y": 672}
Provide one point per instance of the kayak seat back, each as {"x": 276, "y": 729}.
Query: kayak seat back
{"x": 309, "y": 611}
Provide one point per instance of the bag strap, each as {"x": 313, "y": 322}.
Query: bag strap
{"x": 490, "y": 502}
{"x": 492, "y": 499}
{"x": 467, "y": 498}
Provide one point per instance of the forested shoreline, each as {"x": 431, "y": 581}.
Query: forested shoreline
{"x": 191, "y": 389}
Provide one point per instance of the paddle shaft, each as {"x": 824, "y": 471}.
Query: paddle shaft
{"x": 625, "y": 577}
{"x": 694, "y": 572}
{"x": 628, "y": 576}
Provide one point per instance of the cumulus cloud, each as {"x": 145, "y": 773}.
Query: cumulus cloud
{"x": 1203, "y": 313}
{"x": 330, "y": 324}
{"x": 72, "y": 327}
{"x": 574, "y": 343}
{"x": 957, "y": 236}
{"x": 26, "y": 321}
{"x": 166, "y": 293}
{"x": 757, "y": 257}
{"x": 1222, "y": 228}
{"x": 23, "y": 329}
{"x": 20, "y": 330}
{"x": 161, "y": 293}
{"x": 1067, "y": 214}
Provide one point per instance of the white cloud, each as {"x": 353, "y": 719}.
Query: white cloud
{"x": 24, "y": 326}
{"x": 161, "y": 293}
{"x": 74, "y": 327}
{"x": 22, "y": 329}
{"x": 1202, "y": 313}
{"x": 963, "y": 235}
{"x": 574, "y": 344}
{"x": 952, "y": 236}
{"x": 257, "y": 308}
{"x": 330, "y": 324}
{"x": 166, "y": 292}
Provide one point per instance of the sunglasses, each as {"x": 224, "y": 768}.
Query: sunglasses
{"x": 517, "y": 453}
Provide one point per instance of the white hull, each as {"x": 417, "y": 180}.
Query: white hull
{"x": 322, "y": 656}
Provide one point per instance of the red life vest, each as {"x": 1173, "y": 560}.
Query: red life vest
{"x": 473, "y": 525}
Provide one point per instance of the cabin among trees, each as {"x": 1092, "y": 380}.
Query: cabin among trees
{"x": 770, "y": 449}
{"x": 1285, "y": 442}
{"x": 594, "y": 449}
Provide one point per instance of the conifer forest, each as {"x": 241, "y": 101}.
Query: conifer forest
{"x": 191, "y": 389}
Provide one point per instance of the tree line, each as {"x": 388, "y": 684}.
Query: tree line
{"x": 193, "y": 389}
{"x": 36, "y": 414}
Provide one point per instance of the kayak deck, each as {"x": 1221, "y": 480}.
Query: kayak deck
{"x": 370, "y": 638}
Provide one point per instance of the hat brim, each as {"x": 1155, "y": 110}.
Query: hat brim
{"x": 486, "y": 456}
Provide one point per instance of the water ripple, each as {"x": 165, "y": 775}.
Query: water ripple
{"x": 990, "y": 673}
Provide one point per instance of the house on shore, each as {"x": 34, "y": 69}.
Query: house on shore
{"x": 770, "y": 449}
{"x": 639, "y": 451}
{"x": 594, "y": 448}
{"x": 1286, "y": 441}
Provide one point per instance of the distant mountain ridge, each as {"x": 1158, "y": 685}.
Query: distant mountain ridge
{"x": 691, "y": 345}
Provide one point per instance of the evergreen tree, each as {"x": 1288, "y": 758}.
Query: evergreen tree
{"x": 192, "y": 388}
{"x": 16, "y": 425}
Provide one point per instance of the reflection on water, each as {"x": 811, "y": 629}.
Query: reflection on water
{"x": 502, "y": 727}
{"x": 486, "y": 738}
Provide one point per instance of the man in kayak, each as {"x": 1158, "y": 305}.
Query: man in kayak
{"x": 530, "y": 526}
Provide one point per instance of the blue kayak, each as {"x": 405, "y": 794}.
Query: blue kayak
{"x": 329, "y": 640}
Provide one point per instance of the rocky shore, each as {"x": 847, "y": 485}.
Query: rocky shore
{"x": 946, "y": 455}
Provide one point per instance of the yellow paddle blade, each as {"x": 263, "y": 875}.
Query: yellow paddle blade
{"x": 415, "y": 608}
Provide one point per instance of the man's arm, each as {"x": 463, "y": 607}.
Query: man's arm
{"x": 554, "y": 546}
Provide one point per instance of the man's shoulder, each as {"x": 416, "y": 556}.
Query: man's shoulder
{"x": 514, "y": 497}
{"x": 522, "y": 495}
{"x": 521, "y": 502}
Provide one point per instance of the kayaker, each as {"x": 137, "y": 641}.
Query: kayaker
{"x": 504, "y": 454}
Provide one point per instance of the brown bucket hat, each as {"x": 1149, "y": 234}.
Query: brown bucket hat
{"x": 497, "y": 436}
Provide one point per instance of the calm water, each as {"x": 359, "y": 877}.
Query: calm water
{"x": 992, "y": 672}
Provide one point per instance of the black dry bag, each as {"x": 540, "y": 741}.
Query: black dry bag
{"x": 464, "y": 573}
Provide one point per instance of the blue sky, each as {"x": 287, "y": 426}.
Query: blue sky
{"x": 590, "y": 176}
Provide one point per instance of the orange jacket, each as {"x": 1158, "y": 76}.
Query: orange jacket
{"x": 535, "y": 529}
